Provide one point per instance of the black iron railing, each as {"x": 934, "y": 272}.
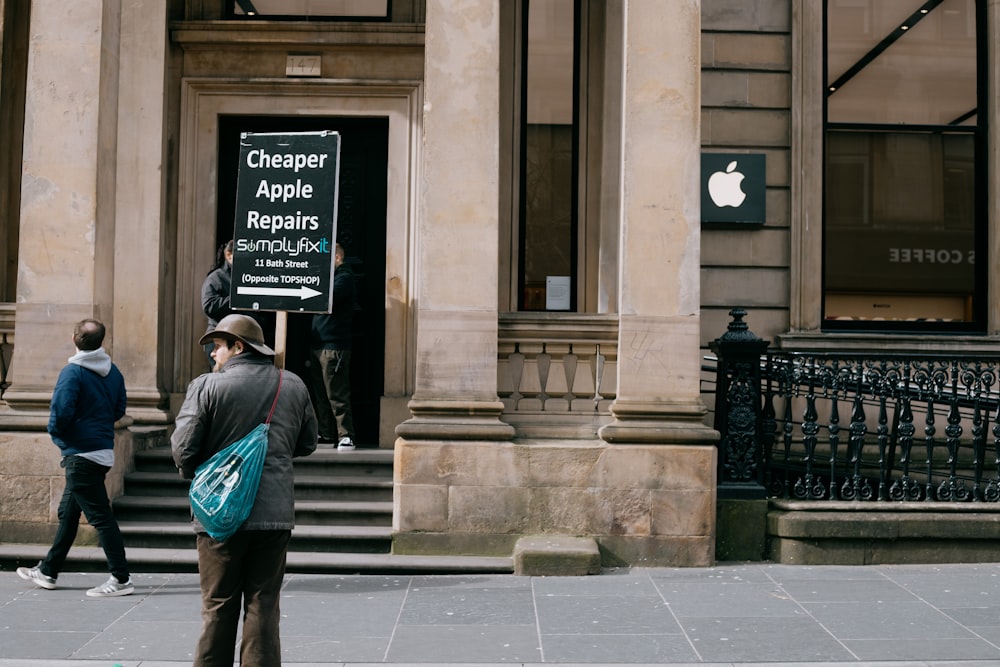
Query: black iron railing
{"x": 915, "y": 428}
{"x": 861, "y": 426}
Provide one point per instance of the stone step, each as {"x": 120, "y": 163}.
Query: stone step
{"x": 324, "y": 461}
{"x": 307, "y": 538}
{"x": 556, "y": 555}
{"x": 91, "y": 559}
{"x": 307, "y": 486}
{"x": 316, "y": 512}
{"x": 343, "y": 516}
{"x": 867, "y": 533}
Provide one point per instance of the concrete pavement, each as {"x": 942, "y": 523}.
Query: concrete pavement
{"x": 733, "y": 614}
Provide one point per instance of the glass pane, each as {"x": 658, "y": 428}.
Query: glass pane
{"x": 312, "y": 8}
{"x": 925, "y": 76}
{"x": 900, "y": 226}
{"x": 548, "y": 238}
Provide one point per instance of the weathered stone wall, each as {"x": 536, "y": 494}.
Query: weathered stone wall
{"x": 32, "y": 482}
{"x": 646, "y": 505}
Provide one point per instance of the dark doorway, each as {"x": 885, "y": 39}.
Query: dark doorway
{"x": 361, "y": 224}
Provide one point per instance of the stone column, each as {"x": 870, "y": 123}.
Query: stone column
{"x": 141, "y": 209}
{"x": 658, "y": 398}
{"x": 66, "y": 246}
{"x": 455, "y": 395}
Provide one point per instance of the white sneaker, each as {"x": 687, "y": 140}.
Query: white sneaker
{"x": 345, "y": 444}
{"x": 112, "y": 588}
{"x": 37, "y": 577}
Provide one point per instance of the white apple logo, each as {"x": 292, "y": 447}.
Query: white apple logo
{"x": 724, "y": 187}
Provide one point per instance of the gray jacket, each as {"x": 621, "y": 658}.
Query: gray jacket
{"x": 222, "y": 407}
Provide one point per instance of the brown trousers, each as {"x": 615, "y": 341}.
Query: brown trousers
{"x": 244, "y": 573}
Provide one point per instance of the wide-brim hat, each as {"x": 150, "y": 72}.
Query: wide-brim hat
{"x": 241, "y": 327}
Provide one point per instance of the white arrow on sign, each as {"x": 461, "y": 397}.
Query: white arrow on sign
{"x": 302, "y": 291}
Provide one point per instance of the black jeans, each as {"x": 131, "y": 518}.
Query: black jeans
{"x": 330, "y": 389}
{"x": 244, "y": 572}
{"x": 85, "y": 493}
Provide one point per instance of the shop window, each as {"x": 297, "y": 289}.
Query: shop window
{"x": 904, "y": 169}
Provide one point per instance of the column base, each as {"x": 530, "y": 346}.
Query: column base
{"x": 24, "y": 418}
{"x": 455, "y": 420}
{"x": 145, "y": 406}
{"x": 28, "y": 399}
{"x": 29, "y": 410}
{"x": 663, "y": 422}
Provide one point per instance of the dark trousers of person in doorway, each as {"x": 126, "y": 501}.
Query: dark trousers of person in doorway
{"x": 85, "y": 493}
{"x": 247, "y": 569}
{"x": 330, "y": 379}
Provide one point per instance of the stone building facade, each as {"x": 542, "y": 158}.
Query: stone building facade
{"x": 512, "y": 410}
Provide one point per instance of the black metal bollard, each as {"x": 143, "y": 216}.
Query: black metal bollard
{"x": 738, "y": 410}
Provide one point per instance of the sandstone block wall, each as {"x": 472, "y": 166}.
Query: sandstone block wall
{"x": 646, "y": 505}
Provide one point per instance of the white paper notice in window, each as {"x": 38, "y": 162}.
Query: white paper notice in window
{"x": 557, "y": 292}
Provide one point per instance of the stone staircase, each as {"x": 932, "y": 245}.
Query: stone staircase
{"x": 343, "y": 503}
{"x": 343, "y": 517}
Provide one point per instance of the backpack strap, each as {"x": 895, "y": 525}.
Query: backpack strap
{"x": 281, "y": 376}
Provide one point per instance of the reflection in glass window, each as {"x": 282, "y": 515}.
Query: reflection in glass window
{"x": 905, "y": 61}
{"x": 902, "y": 165}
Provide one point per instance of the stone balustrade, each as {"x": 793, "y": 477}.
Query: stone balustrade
{"x": 557, "y": 364}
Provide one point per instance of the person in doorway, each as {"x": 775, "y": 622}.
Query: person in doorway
{"x": 215, "y": 297}
{"x": 330, "y": 360}
{"x": 215, "y": 292}
{"x": 89, "y": 397}
{"x": 246, "y": 570}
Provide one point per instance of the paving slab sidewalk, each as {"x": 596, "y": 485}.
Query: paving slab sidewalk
{"x": 753, "y": 615}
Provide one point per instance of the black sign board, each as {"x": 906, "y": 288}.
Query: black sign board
{"x": 286, "y": 221}
{"x": 733, "y": 188}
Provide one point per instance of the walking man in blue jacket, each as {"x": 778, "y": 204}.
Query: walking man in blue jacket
{"x": 88, "y": 399}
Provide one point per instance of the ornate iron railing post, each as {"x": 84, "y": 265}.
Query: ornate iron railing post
{"x": 739, "y": 410}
